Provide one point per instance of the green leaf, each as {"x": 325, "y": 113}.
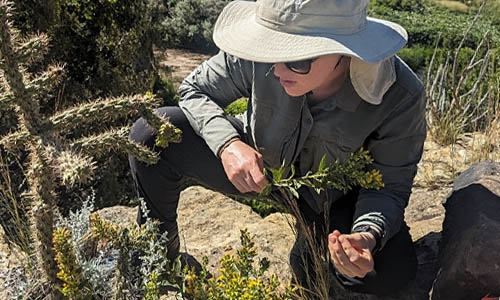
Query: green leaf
{"x": 322, "y": 163}
{"x": 278, "y": 174}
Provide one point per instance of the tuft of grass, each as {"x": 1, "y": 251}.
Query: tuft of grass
{"x": 462, "y": 97}
{"x": 12, "y": 213}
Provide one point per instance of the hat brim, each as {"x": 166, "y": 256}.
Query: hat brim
{"x": 237, "y": 33}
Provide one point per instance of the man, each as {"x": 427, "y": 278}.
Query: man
{"x": 322, "y": 79}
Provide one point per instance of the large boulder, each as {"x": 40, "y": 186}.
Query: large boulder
{"x": 469, "y": 257}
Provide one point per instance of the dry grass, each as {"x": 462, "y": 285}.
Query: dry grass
{"x": 12, "y": 214}
{"x": 440, "y": 165}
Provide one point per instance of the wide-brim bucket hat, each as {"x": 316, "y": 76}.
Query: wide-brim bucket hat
{"x": 289, "y": 30}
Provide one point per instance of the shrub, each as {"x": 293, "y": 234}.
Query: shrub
{"x": 238, "y": 277}
{"x": 237, "y": 107}
{"x": 189, "y": 24}
{"x": 399, "y": 5}
{"x": 101, "y": 260}
{"x": 165, "y": 88}
{"x": 105, "y": 46}
{"x": 52, "y": 158}
{"x": 416, "y": 57}
{"x": 432, "y": 22}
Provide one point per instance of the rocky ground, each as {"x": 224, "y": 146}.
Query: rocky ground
{"x": 210, "y": 223}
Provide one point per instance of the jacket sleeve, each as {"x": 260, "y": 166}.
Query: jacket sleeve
{"x": 208, "y": 90}
{"x": 396, "y": 147}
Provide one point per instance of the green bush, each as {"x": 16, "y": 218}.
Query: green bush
{"x": 416, "y": 57}
{"x": 425, "y": 25}
{"x": 400, "y": 5}
{"x": 166, "y": 89}
{"x": 105, "y": 45}
{"x": 237, "y": 107}
{"x": 189, "y": 23}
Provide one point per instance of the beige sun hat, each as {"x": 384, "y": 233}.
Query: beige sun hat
{"x": 289, "y": 30}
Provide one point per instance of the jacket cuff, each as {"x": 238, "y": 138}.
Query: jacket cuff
{"x": 375, "y": 220}
{"x": 226, "y": 144}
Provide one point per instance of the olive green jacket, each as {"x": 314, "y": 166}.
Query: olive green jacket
{"x": 286, "y": 129}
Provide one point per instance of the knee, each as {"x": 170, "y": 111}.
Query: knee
{"x": 142, "y": 133}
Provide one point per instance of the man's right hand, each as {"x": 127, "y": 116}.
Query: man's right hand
{"x": 244, "y": 167}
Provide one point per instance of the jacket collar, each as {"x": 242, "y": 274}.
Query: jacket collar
{"x": 346, "y": 99}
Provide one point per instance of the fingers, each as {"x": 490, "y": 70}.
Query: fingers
{"x": 350, "y": 259}
{"x": 341, "y": 256}
{"x": 251, "y": 182}
{"x": 259, "y": 181}
{"x": 243, "y": 166}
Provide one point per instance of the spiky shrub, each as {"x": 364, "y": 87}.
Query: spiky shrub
{"x": 239, "y": 277}
{"x": 106, "y": 45}
{"x": 106, "y": 48}
{"x": 53, "y": 159}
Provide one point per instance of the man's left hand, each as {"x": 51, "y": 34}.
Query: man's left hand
{"x": 351, "y": 253}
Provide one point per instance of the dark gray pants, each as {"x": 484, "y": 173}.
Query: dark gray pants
{"x": 192, "y": 162}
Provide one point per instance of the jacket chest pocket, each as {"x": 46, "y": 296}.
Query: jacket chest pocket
{"x": 334, "y": 145}
{"x": 275, "y": 135}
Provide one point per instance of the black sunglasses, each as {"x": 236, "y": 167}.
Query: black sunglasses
{"x": 303, "y": 67}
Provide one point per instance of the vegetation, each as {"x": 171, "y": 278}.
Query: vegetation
{"x": 106, "y": 50}
{"x": 189, "y": 23}
{"x": 59, "y": 122}
{"x": 53, "y": 158}
{"x": 238, "y": 278}
{"x": 341, "y": 176}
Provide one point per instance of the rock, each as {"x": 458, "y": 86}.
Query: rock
{"x": 469, "y": 257}
{"x": 425, "y": 211}
{"x": 210, "y": 225}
